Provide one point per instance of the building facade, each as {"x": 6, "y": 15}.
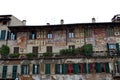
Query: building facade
{"x": 102, "y": 64}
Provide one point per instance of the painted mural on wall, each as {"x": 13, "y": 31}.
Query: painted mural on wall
{"x": 60, "y": 38}
{"x": 100, "y": 36}
{"x": 22, "y": 41}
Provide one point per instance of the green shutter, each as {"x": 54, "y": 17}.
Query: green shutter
{"x": 3, "y": 34}
{"x": 14, "y": 72}
{"x": 107, "y": 68}
{"x": 28, "y": 69}
{"x": 38, "y": 69}
{"x": 89, "y": 67}
{"x": 33, "y": 69}
{"x": 85, "y": 68}
{"x": 117, "y": 46}
{"x": 47, "y": 69}
{"x": 64, "y": 68}
{"x": 57, "y": 68}
{"x": 76, "y": 68}
{"x": 4, "y": 73}
{"x": 97, "y": 67}
{"x": 22, "y": 69}
{"x": 108, "y": 47}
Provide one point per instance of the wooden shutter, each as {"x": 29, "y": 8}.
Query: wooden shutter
{"x": 4, "y": 73}
{"x": 107, "y": 68}
{"x": 47, "y": 68}
{"x": 64, "y": 68}
{"x": 3, "y": 34}
{"x": 14, "y": 72}
{"x": 76, "y": 68}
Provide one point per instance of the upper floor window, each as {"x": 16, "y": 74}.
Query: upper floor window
{"x": 32, "y": 35}
{"x": 110, "y": 31}
{"x": 2, "y": 34}
{"x": 49, "y": 35}
{"x": 4, "y": 23}
{"x": 35, "y": 49}
{"x": 88, "y": 32}
{"x": 71, "y": 46}
{"x": 71, "y": 34}
{"x": 49, "y": 49}
{"x": 112, "y": 46}
{"x": 12, "y": 36}
{"x": 16, "y": 50}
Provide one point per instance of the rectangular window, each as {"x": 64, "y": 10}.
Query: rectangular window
{"x": 49, "y": 49}
{"x": 71, "y": 46}
{"x": 71, "y": 34}
{"x": 35, "y": 49}
{"x": 112, "y": 46}
{"x": 2, "y": 34}
{"x": 4, "y": 72}
{"x": 88, "y": 32}
{"x": 57, "y": 68}
{"x": 47, "y": 68}
{"x": 14, "y": 72}
{"x": 25, "y": 69}
{"x": 12, "y": 36}
{"x": 110, "y": 31}
{"x": 16, "y": 50}
{"x": 49, "y": 35}
{"x": 32, "y": 35}
{"x": 35, "y": 69}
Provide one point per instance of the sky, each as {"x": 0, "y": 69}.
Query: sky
{"x": 40, "y": 12}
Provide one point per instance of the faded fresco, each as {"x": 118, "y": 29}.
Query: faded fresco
{"x": 60, "y": 38}
{"x": 22, "y": 41}
{"x": 100, "y": 35}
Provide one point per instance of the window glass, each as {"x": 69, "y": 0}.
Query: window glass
{"x": 35, "y": 68}
{"x": 25, "y": 69}
{"x": 49, "y": 35}
{"x": 32, "y": 35}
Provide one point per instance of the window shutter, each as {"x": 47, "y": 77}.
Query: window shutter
{"x": 57, "y": 68}
{"x": 3, "y": 34}
{"x": 108, "y": 47}
{"x": 22, "y": 69}
{"x": 89, "y": 67}
{"x": 85, "y": 69}
{"x": 14, "y": 72}
{"x": 76, "y": 68}
{"x": 107, "y": 68}
{"x": 117, "y": 46}
{"x": 4, "y": 73}
{"x": 38, "y": 69}
{"x": 97, "y": 67}
{"x": 47, "y": 69}
{"x": 64, "y": 68}
{"x": 33, "y": 68}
